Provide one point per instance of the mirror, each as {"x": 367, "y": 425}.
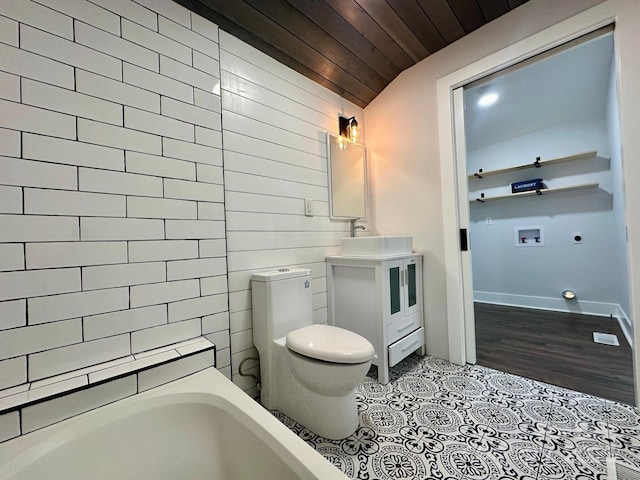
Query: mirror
{"x": 347, "y": 179}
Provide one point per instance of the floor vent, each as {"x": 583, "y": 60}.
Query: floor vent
{"x": 616, "y": 470}
{"x": 606, "y": 338}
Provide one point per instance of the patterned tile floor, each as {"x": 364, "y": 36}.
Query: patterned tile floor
{"x": 437, "y": 420}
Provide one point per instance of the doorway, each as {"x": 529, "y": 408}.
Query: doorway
{"x": 553, "y": 128}
{"x": 554, "y": 118}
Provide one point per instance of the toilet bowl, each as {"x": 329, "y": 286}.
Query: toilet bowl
{"x": 308, "y": 372}
{"x": 328, "y": 360}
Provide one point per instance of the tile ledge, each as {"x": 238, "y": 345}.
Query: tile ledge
{"x": 29, "y": 393}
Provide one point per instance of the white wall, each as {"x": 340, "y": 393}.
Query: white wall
{"x": 275, "y": 123}
{"x": 535, "y": 276}
{"x": 405, "y": 155}
{"x": 619, "y": 207}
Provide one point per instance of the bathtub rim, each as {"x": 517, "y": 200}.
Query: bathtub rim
{"x": 209, "y": 387}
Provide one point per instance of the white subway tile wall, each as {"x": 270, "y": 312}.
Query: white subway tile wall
{"x": 275, "y": 156}
{"x": 46, "y": 413}
{"x": 118, "y": 216}
{"x": 165, "y": 373}
{"x": 101, "y": 181}
{"x": 10, "y": 84}
{"x": 30, "y": 65}
{"x": 62, "y": 396}
{"x": 9, "y": 425}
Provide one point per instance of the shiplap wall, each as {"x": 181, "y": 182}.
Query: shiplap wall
{"x": 274, "y": 127}
{"x": 112, "y": 232}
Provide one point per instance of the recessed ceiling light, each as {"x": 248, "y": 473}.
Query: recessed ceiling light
{"x": 488, "y": 99}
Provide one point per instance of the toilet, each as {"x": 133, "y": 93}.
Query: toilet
{"x": 308, "y": 372}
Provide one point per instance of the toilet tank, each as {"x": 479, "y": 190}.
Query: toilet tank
{"x": 281, "y": 302}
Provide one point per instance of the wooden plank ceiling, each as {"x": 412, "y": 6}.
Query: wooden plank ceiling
{"x": 353, "y": 47}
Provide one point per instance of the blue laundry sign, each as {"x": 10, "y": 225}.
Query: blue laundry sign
{"x": 527, "y": 185}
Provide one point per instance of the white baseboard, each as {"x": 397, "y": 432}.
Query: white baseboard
{"x": 601, "y": 309}
{"x": 625, "y": 325}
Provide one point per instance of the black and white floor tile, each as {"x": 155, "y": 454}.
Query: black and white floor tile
{"x": 437, "y": 420}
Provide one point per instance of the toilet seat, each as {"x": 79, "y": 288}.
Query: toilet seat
{"x": 330, "y": 344}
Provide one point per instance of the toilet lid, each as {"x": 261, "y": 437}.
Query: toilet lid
{"x": 331, "y": 344}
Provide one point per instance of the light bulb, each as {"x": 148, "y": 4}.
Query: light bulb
{"x": 488, "y": 99}
{"x": 353, "y": 131}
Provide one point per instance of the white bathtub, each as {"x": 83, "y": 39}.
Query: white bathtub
{"x": 200, "y": 427}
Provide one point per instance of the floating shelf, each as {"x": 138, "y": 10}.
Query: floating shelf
{"x": 536, "y": 164}
{"x": 543, "y": 191}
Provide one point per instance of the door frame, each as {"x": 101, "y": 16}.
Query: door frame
{"x": 455, "y": 208}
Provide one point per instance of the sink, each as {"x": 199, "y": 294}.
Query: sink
{"x": 376, "y": 246}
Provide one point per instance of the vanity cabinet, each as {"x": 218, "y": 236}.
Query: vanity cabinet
{"x": 379, "y": 298}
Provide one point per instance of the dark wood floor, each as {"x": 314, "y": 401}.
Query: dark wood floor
{"x": 555, "y": 348}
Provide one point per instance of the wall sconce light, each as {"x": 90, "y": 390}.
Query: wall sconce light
{"x": 569, "y": 295}
{"x": 348, "y": 128}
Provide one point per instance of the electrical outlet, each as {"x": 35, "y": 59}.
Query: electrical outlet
{"x": 488, "y": 221}
{"x": 308, "y": 207}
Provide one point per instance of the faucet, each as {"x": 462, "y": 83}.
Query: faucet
{"x": 355, "y": 227}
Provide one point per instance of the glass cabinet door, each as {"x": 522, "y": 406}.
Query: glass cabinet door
{"x": 402, "y": 280}
{"x": 412, "y": 285}
{"x": 394, "y": 290}
{"x": 412, "y": 295}
{"x": 394, "y": 297}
